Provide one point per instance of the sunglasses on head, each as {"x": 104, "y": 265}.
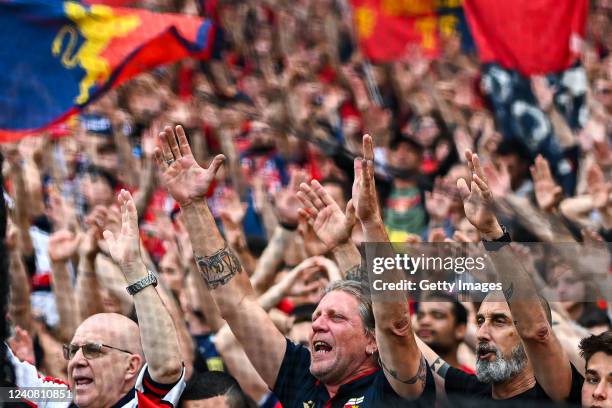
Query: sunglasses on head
{"x": 90, "y": 350}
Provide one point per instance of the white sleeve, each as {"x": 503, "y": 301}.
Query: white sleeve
{"x": 27, "y": 376}
{"x": 172, "y": 396}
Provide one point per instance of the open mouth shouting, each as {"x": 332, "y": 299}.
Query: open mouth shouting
{"x": 321, "y": 348}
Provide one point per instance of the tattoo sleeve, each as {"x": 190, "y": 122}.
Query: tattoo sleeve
{"x": 219, "y": 268}
{"x": 440, "y": 367}
{"x": 420, "y": 376}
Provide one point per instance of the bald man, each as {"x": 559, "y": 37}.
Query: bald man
{"x": 112, "y": 361}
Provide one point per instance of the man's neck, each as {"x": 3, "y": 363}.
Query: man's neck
{"x": 332, "y": 389}
{"x": 399, "y": 183}
{"x": 523, "y": 381}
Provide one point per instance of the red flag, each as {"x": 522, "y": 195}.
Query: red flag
{"x": 112, "y": 3}
{"x": 530, "y": 36}
{"x": 387, "y": 29}
{"x": 59, "y": 56}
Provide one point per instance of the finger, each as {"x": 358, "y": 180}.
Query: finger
{"x": 323, "y": 194}
{"x": 464, "y": 190}
{"x": 307, "y": 204}
{"x": 216, "y": 164}
{"x": 478, "y": 168}
{"x": 534, "y": 173}
{"x": 482, "y": 186}
{"x": 294, "y": 181}
{"x": 109, "y": 237}
{"x": 369, "y": 175}
{"x": 350, "y": 213}
{"x": 368, "y": 147}
{"x": 183, "y": 143}
{"x": 468, "y": 156}
{"x": 163, "y": 144}
{"x": 159, "y": 158}
{"x": 132, "y": 214}
{"x": 313, "y": 197}
{"x": 171, "y": 138}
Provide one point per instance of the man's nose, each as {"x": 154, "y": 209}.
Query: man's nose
{"x": 483, "y": 334}
{"x": 600, "y": 392}
{"x": 319, "y": 324}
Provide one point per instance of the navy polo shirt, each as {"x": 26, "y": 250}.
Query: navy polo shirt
{"x": 296, "y": 388}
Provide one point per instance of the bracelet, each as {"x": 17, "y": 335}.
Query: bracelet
{"x": 499, "y": 243}
{"x": 142, "y": 283}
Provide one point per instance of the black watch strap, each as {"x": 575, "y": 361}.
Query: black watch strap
{"x": 497, "y": 244}
{"x": 142, "y": 283}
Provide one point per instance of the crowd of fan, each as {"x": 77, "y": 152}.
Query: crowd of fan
{"x": 277, "y": 221}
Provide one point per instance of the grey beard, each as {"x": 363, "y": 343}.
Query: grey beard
{"x": 501, "y": 369}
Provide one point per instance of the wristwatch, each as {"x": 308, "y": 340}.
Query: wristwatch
{"x": 142, "y": 283}
{"x": 497, "y": 244}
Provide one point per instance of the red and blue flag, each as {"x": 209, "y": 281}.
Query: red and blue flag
{"x": 57, "y": 56}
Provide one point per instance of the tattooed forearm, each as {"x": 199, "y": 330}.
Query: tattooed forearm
{"x": 219, "y": 268}
{"x": 420, "y": 375}
{"x": 440, "y": 367}
{"x": 355, "y": 273}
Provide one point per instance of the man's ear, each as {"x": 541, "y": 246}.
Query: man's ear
{"x": 134, "y": 364}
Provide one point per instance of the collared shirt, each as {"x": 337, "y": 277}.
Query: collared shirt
{"x": 296, "y": 387}
{"x": 146, "y": 393}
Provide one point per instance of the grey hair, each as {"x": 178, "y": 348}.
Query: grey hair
{"x": 361, "y": 292}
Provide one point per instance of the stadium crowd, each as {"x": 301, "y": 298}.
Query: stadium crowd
{"x": 234, "y": 198}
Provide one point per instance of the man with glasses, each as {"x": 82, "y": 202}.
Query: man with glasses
{"x": 112, "y": 361}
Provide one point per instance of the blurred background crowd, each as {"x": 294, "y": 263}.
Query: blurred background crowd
{"x": 286, "y": 101}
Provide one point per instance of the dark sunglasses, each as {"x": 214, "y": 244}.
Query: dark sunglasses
{"x": 90, "y": 350}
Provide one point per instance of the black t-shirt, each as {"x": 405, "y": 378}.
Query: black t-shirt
{"x": 465, "y": 390}
{"x": 296, "y": 388}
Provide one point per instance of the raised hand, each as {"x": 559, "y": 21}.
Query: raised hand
{"x": 125, "y": 246}
{"x": 63, "y": 245}
{"x": 364, "y": 190}
{"x": 598, "y": 188}
{"x": 548, "y": 193}
{"x": 438, "y": 202}
{"x": 286, "y": 200}
{"x": 185, "y": 180}
{"x": 329, "y": 223}
{"x": 231, "y": 208}
{"x": 89, "y": 244}
{"x": 499, "y": 180}
{"x": 478, "y": 200}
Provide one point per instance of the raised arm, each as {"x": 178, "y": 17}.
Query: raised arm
{"x": 550, "y": 362}
{"x": 401, "y": 359}
{"x": 231, "y": 290}
{"x": 158, "y": 335}
{"x": 62, "y": 246}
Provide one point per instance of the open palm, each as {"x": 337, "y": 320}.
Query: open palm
{"x": 125, "y": 246}
{"x": 184, "y": 178}
{"x": 329, "y": 223}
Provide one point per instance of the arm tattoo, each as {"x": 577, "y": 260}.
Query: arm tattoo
{"x": 354, "y": 273}
{"x": 440, "y": 367}
{"x": 219, "y": 268}
{"x": 420, "y": 375}
{"x": 508, "y": 292}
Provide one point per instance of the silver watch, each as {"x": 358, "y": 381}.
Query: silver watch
{"x": 142, "y": 283}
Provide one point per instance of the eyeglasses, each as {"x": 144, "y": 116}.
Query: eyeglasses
{"x": 90, "y": 350}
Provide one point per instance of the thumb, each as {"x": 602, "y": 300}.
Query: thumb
{"x": 350, "y": 213}
{"x": 109, "y": 237}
